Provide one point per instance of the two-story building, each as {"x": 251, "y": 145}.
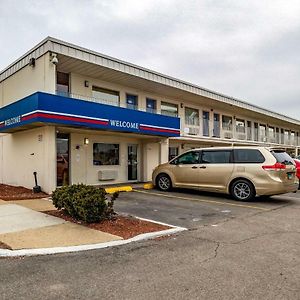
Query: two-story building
{"x": 77, "y": 116}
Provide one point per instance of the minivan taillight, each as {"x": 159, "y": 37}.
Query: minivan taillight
{"x": 276, "y": 166}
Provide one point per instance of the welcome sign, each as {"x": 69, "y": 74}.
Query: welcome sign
{"x": 47, "y": 108}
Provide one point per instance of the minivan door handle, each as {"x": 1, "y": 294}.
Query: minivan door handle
{"x": 202, "y": 167}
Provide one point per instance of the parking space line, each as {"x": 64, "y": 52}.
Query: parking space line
{"x": 201, "y": 200}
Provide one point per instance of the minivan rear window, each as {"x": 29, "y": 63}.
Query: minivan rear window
{"x": 248, "y": 156}
{"x": 282, "y": 157}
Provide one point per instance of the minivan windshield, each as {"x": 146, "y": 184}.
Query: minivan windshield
{"x": 282, "y": 157}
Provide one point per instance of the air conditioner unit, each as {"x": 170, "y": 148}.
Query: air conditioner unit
{"x": 107, "y": 175}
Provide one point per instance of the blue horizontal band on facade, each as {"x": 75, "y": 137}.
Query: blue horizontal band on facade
{"x": 54, "y": 109}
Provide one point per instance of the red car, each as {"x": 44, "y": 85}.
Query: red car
{"x": 297, "y": 162}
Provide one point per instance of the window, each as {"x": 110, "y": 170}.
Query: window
{"x": 272, "y": 134}
{"x": 62, "y": 84}
{"x": 255, "y": 131}
{"x": 282, "y": 157}
{"x": 205, "y": 116}
{"x": 240, "y": 125}
{"x": 132, "y": 101}
{"x": 173, "y": 152}
{"x": 277, "y": 136}
{"x": 262, "y": 130}
{"x": 106, "y": 96}
{"x": 227, "y": 123}
{"x": 292, "y": 137}
{"x": 282, "y": 136}
{"x": 169, "y": 109}
{"x": 105, "y": 154}
{"x": 150, "y": 105}
{"x": 216, "y": 157}
{"x": 191, "y": 157}
{"x": 216, "y": 131}
{"x": 248, "y": 156}
{"x": 249, "y": 130}
{"x": 191, "y": 116}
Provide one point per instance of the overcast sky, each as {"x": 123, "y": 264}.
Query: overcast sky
{"x": 245, "y": 49}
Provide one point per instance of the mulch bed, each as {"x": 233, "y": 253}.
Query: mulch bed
{"x": 9, "y": 192}
{"x": 123, "y": 226}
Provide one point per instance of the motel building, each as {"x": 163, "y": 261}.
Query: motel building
{"x": 77, "y": 116}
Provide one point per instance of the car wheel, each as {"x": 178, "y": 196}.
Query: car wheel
{"x": 164, "y": 182}
{"x": 242, "y": 190}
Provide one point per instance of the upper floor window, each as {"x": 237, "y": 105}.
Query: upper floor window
{"x": 169, "y": 109}
{"x": 132, "y": 101}
{"x": 106, "y": 96}
{"x": 262, "y": 130}
{"x": 205, "y": 118}
{"x": 227, "y": 123}
{"x": 62, "y": 84}
{"x": 240, "y": 125}
{"x": 271, "y": 132}
{"x": 216, "y": 129}
{"x": 150, "y": 105}
{"x": 191, "y": 116}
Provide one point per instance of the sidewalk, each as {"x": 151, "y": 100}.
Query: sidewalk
{"x": 26, "y": 230}
{"x": 23, "y": 225}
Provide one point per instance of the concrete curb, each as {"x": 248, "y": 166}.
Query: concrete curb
{"x": 56, "y": 250}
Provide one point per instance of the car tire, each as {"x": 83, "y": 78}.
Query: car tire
{"x": 163, "y": 182}
{"x": 242, "y": 190}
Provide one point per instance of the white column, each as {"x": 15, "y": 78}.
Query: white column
{"x": 163, "y": 150}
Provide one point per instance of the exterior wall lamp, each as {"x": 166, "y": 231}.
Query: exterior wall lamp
{"x": 86, "y": 141}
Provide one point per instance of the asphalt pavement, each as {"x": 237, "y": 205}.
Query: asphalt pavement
{"x": 251, "y": 252}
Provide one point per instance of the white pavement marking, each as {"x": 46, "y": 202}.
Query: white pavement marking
{"x": 56, "y": 250}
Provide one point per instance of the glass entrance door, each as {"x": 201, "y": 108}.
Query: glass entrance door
{"x": 62, "y": 159}
{"x": 132, "y": 162}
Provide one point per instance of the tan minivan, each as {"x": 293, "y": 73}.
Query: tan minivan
{"x": 242, "y": 172}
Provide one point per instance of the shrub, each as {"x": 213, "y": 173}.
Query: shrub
{"x": 86, "y": 203}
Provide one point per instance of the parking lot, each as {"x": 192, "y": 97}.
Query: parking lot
{"x": 233, "y": 250}
{"x": 191, "y": 209}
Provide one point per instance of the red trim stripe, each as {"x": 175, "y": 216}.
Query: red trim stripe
{"x": 66, "y": 118}
{"x": 159, "y": 129}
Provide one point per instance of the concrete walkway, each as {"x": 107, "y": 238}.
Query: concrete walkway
{"x": 24, "y": 226}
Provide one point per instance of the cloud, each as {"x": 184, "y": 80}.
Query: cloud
{"x": 249, "y": 50}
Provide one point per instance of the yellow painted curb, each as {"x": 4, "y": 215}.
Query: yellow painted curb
{"x": 148, "y": 186}
{"x": 112, "y": 190}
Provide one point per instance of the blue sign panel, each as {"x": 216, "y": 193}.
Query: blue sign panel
{"x": 48, "y": 108}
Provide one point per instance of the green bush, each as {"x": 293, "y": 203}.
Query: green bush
{"x": 86, "y": 203}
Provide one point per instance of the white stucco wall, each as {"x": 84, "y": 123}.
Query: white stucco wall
{"x": 29, "y": 80}
{"x": 82, "y": 168}
{"x": 25, "y": 152}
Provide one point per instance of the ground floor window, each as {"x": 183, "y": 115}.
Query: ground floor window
{"x": 105, "y": 154}
{"x": 173, "y": 152}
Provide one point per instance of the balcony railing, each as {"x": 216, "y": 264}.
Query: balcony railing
{"x": 226, "y": 132}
